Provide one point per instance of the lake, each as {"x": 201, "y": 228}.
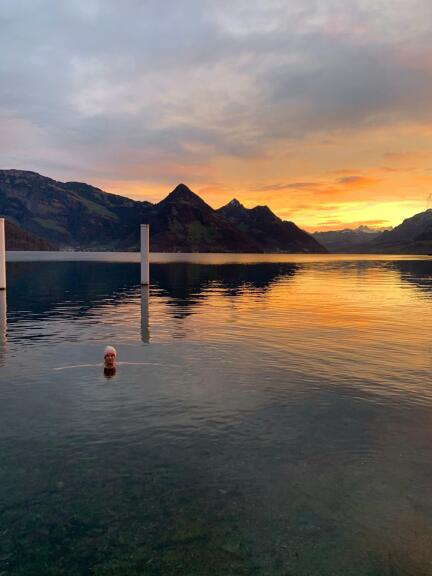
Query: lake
{"x": 270, "y": 415}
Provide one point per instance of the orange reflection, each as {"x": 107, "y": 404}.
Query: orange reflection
{"x": 318, "y": 315}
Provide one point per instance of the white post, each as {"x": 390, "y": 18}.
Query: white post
{"x": 2, "y": 255}
{"x": 145, "y": 249}
{"x": 145, "y": 326}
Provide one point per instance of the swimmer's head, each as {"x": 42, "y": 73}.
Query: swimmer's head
{"x": 110, "y": 354}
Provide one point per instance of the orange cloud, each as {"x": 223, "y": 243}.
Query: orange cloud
{"x": 287, "y": 186}
{"x": 357, "y": 181}
{"x": 402, "y": 156}
{"x": 343, "y": 171}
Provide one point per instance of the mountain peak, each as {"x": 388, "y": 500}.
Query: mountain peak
{"x": 183, "y": 193}
{"x": 234, "y": 203}
{"x": 182, "y": 190}
{"x": 262, "y": 208}
{"x": 264, "y": 211}
{"x": 234, "y": 207}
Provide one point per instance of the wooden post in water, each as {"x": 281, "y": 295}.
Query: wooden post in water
{"x": 2, "y": 255}
{"x": 145, "y": 249}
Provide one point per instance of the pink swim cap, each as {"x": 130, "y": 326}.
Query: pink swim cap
{"x": 110, "y": 350}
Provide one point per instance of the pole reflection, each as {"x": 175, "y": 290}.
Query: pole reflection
{"x": 3, "y": 326}
{"x": 145, "y": 327}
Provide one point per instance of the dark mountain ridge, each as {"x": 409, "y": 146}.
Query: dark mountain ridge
{"x": 347, "y": 240}
{"x": 75, "y": 215}
{"x": 274, "y": 234}
{"x": 412, "y": 236}
{"x": 183, "y": 222}
{"x": 71, "y": 215}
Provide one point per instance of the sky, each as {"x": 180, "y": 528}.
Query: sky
{"x": 321, "y": 109}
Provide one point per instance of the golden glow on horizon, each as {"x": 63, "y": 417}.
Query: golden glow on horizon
{"x": 376, "y": 177}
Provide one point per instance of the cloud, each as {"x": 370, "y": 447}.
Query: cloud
{"x": 357, "y": 181}
{"x": 305, "y": 207}
{"x": 275, "y": 102}
{"x": 228, "y": 77}
{"x": 343, "y": 172}
{"x": 410, "y": 156}
{"x": 278, "y": 186}
{"x": 322, "y": 186}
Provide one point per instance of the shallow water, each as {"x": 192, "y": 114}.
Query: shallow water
{"x": 269, "y": 418}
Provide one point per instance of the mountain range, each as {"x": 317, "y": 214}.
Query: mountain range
{"x": 347, "y": 240}
{"x": 43, "y": 214}
{"x": 272, "y": 233}
{"x": 78, "y": 216}
{"x": 412, "y": 236}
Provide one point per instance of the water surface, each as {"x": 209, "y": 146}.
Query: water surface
{"x": 272, "y": 415}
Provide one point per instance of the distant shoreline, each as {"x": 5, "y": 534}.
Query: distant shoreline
{"x": 198, "y": 257}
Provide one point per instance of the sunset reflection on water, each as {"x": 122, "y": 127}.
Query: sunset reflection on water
{"x": 268, "y": 417}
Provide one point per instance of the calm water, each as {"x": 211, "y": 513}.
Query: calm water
{"x": 266, "y": 418}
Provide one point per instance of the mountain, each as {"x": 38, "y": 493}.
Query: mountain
{"x": 72, "y": 215}
{"x": 348, "y": 240}
{"x": 19, "y": 239}
{"x": 413, "y": 236}
{"x": 184, "y": 222}
{"x": 272, "y": 233}
{"x": 79, "y": 216}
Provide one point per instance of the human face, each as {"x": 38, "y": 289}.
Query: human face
{"x": 109, "y": 359}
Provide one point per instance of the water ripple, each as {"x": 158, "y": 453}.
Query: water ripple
{"x": 273, "y": 417}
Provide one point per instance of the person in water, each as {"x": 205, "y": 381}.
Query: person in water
{"x": 110, "y": 354}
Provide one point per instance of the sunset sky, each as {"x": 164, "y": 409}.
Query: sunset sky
{"x": 321, "y": 109}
